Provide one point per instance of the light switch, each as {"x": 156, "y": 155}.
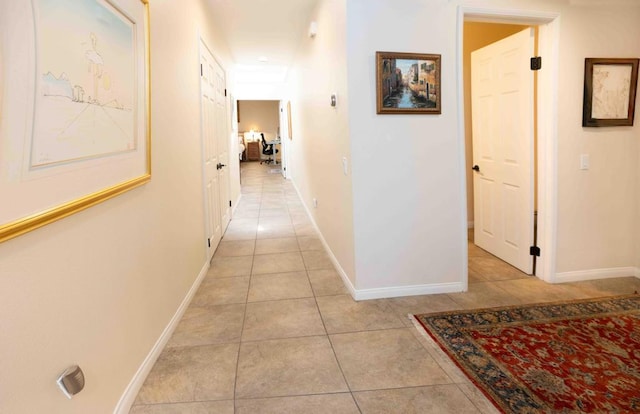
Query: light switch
{"x": 584, "y": 161}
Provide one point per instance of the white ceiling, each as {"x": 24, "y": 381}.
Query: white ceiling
{"x": 255, "y": 28}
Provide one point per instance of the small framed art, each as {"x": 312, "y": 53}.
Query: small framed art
{"x": 407, "y": 83}
{"x": 609, "y": 92}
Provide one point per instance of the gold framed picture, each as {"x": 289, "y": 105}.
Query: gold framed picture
{"x": 79, "y": 110}
{"x": 408, "y": 83}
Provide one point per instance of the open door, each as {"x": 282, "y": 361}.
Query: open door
{"x": 503, "y": 143}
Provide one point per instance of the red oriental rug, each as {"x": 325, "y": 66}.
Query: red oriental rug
{"x": 570, "y": 357}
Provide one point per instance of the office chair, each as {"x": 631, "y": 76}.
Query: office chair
{"x": 267, "y": 149}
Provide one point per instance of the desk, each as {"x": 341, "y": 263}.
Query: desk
{"x": 274, "y": 143}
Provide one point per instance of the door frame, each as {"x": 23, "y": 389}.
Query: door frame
{"x": 547, "y": 108}
{"x": 284, "y": 138}
{"x": 504, "y": 56}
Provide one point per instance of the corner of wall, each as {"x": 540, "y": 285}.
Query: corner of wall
{"x": 320, "y": 148}
{"x": 131, "y": 392}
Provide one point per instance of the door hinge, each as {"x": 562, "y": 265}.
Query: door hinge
{"x": 229, "y": 203}
{"x": 536, "y": 63}
{"x": 209, "y": 242}
{"x": 201, "y": 72}
{"x": 225, "y": 92}
{"x": 534, "y": 251}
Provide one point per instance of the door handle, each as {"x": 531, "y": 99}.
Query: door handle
{"x": 476, "y": 168}
{"x": 222, "y": 165}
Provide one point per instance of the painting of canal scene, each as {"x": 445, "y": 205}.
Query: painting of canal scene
{"x": 86, "y": 83}
{"x": 407, "y": 83}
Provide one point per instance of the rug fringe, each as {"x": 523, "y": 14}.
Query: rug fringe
{"x": 475, "y": 394}
{"x": 418, "y": 326}
{"x": 425, "y": 335}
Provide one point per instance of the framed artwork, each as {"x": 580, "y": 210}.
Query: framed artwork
{"x": 407, "y": 83}
{"x": 609, "y": 92}
{"x": 77, "y": 93}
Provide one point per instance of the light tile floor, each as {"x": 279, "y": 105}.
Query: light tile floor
{"x": 272, "y": 328}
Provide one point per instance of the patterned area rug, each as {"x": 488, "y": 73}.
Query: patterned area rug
{"x": 569, "y": 357}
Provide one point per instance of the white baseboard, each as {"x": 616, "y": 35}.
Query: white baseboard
{"x": 236, "y": 204}
{"x": 379, "y": 293}
{"x": 334, "y": 260}
{"x": 131, "y": 392}
{"x": 593, "y": 274}
{"x": 397, "y": 291}
{"x": 345, "y": 279}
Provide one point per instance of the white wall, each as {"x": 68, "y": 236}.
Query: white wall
{"x": 261, "y": 116}
{"x": 234, "y": 159}
{"x": 409, "y": 201}
{"x": 321, "y": 132}
{"x": 597, "y": 208}
{"x": 260, "y": 90}
{"x": 99, "y": 287}
{"x": 261, "y": 82}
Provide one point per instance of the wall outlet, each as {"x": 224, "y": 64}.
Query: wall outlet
{"x": 315, "y": 202}
{"x": 345, "y": 165}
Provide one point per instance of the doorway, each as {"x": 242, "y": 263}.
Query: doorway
{"x": 500, "y": 136}
{"x": 546, "y": 123}
{"x": 259, "y": 126}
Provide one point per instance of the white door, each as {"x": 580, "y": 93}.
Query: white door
{"x": 215, "y": 150}
{"x": 503, "y": 138}
{"x": 223, "y": 137}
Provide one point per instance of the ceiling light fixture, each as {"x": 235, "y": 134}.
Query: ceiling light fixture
{"x": 263, "y": 59}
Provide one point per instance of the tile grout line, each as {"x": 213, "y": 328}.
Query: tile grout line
{"x": 244, "y": 318}
{"x": 335, "y": 356}
{"x": 248, "y": 290}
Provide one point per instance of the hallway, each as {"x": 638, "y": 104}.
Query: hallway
{"x": 272, "y": 329}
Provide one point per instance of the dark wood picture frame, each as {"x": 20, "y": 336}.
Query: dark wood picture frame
{"x": 408, "y": 83}
{"x": 610, "y": 103}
